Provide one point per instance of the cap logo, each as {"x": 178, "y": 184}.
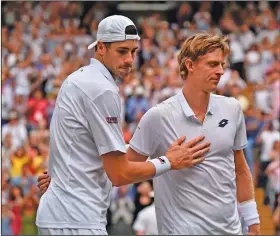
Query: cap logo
{"x": 130, "y": 30}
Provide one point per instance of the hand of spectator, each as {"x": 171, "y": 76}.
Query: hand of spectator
{"x": 43, "y": 182}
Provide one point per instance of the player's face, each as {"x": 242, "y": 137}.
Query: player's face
{"x": 208, "y": 69}
{"x": 119, "y": 57}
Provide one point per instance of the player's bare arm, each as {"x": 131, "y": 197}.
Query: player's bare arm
{"x": 194, "y": 151}
{"x": 245, "y": 193}
{"x": 121, "y": 171}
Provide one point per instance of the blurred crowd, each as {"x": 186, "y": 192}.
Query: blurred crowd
{"x": 44, "y": 42}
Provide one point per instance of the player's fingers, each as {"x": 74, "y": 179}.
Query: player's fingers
{"x": 43, "y": 186}
{"x": 44, "y": 190}
{"x": 195, "y": 141}
{"x": 41, "y": 177}
{"x": 198, "y": 160}
{"x": 201, "y": 152}
{"x": 43, "y": 181}
{"x": 179, "y": 141}
{"x": 45, "y": 172}
{"x": 200, "y": 147}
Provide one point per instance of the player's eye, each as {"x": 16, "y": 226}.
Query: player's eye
{"x": 122, "y": 52}
{"x": 213, "y": 64}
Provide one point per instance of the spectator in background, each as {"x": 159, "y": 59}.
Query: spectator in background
{"x": 237, "y": 56}
{"x": 222, "y": 85}
{"x": 266, "y": 138}
{"x": 246, "y": 36}
{"x": 17, "y": 130}
{"x": 142, "y": 197}
{"x": 19, "y": 104}
{"x": 28, "y": 212}
{"x": 18, "y": 159}
{"x": 273, "y": 79}
{"x": 5, "y": 185}
{"x": 253, "y": 120}
{"x": 36, "y": 109}
{"x": 146, "y": 222}
{"x": 137, "y": 104}
{"x": 7, "y": 218}
{"x": 51, "y": 104}
{"x": 263, "y": 98}
{"x": 235, "y": 91}
{"x": 122, "y": 206}
{"x": 145, "y": 52}
{"x": 8, "y": 91}
{"x": 7, "y": 151}
{"x": 253, "y": 65}
{"x": 184, "y": 14}
{"x": 267, "y": 57}
{"x": 276, "y": 216}
{"x": 202, "y": 18}
{"x": 235, "y": 79}
{"x": 25, "y": 180}
{"x": 42, "y": 132}
{"x": 36, "y": 161}
{"x": 15, "y": 201}
{"x": 273, "y": 173}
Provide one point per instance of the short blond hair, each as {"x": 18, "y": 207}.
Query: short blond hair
{"x": 199, "y": 45}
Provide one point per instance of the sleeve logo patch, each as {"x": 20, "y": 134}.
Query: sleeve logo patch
{"x": 112, "y": 120}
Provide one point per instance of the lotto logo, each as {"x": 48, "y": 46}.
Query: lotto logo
{"x": 223, "y": 123}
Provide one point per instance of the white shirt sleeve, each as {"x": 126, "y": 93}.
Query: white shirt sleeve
{"x": 146, "y": 138}
{"x": 104, "y": 118}
{"x": 240, "y": 139}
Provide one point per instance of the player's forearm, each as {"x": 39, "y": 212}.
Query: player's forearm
{"x": 244, "y": 182}
{"x": 134, "y": 172}
{"x": 244, "y": 186}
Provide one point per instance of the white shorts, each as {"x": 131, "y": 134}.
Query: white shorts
{"x": 52, "y": 231}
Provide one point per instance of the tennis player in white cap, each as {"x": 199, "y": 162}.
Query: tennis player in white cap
{"x": 87, "y": 149}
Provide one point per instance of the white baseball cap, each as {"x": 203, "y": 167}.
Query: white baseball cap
{"x": 114, "y": 29}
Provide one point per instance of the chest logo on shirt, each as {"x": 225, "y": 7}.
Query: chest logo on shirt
{"x": 223, "y": 123}
{"x": 112, "y": 120}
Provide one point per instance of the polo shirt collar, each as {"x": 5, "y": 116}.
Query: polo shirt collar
{"x": 187, "y": 109}
{"x": 104, "y": 71}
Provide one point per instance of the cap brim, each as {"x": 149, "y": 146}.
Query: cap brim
{"x": 92, "y": 45}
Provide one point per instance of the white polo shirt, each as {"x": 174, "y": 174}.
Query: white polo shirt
{"x": 202, "y": 199}
{"x": 85, "y": 124}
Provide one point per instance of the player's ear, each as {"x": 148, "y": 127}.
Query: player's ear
{"x": 101, "y": 48}
{"x": 189, "y": 65}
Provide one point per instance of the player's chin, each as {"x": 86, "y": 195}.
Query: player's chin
{"x": 124, "y": 74}
{"x": 211, "y": 88}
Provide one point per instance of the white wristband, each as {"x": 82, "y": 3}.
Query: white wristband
{"x": 248, "y": 210}
{"x": 161, "y": 164}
